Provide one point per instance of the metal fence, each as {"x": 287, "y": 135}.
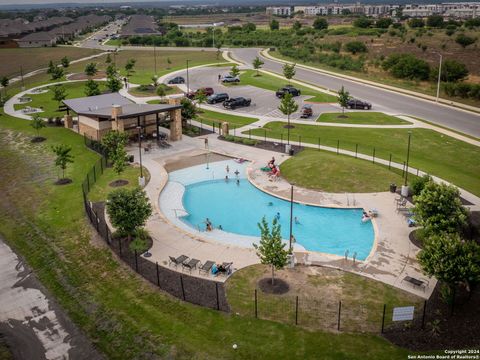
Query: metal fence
{"x": 200, "y": 291}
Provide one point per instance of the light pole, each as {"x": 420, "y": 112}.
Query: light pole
{"x": 291, "y": 218}
{"x": 408, "y": 157}
{"x": 439, "y": 77}
{"x": 188, "y": 80}
{"x": 140, "y": 180}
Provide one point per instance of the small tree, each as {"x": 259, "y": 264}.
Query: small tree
{"x": 464, "y": 40}
{"x": 155, "y": 80}
{"x": 128, "y": 210}
{"x": 439, "y": 208}
{"x": 114, "y": 84}
{"x": 289, "y": 71}
{"x": 297, "y": 25}
{"x": 92, "y": 88}
{"x": 320, "y": 24}
{"x": 189, "y": 110}
{"x": 451, "y": 260}
{"x": 129, "y": 67}
{"x": 271, "y": 249}
{"x": 91, "y": 69}
{"x": 4, "y": 82}
{"x": 362, "y": 22}
{"x": 274, "y": 25}
{"x": 234, "y": 71}
{"x": 37, "y": 124}
{"x": 201, "y": 97}
{"x": 169, "y": 62}
{"x": 355, "y": 47}
{"x": 343, "y": 97}
{"x": 219, "y": 51}
{"x": 257, "y": 64}
{"x": 108, "y": 60}
{"x": 114, "y": 140}
{"x": 288, "y": 106}
{"x": 111, "y": 71}
{"x": 119, "y": 160}
{"x": 51, "y": 67}
{"x": 63, "y": 157}
{"x": 57, "y": 73}
{"x": 65, "y": 62}
{"x": 161, "y": 91}
{"x": 59, "y": 93}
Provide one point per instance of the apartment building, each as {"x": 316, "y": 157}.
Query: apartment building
{"x": 279, "y": 10}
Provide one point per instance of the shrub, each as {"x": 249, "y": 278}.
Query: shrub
{"x": 464, "y": 40}
{"x": 355, "y": 47}
{"x": 320, "y": 23}
{"x": 452, "y": 70}
{"x": 416, "y": 23}
{"x": 362, "y": 22}
{"x": 383, "y": 23}
{"x": 407, "y": 66}
{"x": 435, "y": 21}
{"x": 419, "y": 183}
{"x": 251, "y": 142}
{"x": 229, "y": 137}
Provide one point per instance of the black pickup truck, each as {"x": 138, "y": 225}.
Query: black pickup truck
{"x": 289, "y": 89}
{"x": 233, "y": 103}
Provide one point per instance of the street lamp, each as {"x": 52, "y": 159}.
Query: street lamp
{"x": 439, "y": 76}
{"x": 188, "y": 79}
{"x": 291, "y": 218}
{"x": 141, "y": 180}
{"x": 408, "y": 157}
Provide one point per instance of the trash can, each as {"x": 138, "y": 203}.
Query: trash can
{"x": 393, "y": 188}
{"x": 290, "y": 152}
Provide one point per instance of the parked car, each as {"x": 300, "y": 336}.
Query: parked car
{"x": 230, "y": 79}
{"x": 306, "y": 111}
{"x": 358, "y": 104}
{"x": 177, "y": 80}
{"x": 289, "y": 89}
{"x": 218, "y": 97}
{"x": 207, "y": 91}
{"x": 233, "y": 103}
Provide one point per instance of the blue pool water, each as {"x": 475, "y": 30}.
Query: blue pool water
{"x": 238, "y": 209}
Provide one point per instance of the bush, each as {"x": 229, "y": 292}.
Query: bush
{"x": 416, "y": 23}
{"x": 229, "y": 137}
{"x": 452, "y": 70}
{"x": 355, "y": 47}
{"x": 407, "y": 66}
{"x": 362, "y": 22}
{"x": 251, "y": 142}
{"x": 464, "y": 40}
{"x": 419, "y": 183}
{"x": 320, "y": 24}
{"x": 435, "y": 21}
{"x": 383, "y": 23}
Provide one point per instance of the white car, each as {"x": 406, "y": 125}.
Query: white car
{"x": 230, "y": 79}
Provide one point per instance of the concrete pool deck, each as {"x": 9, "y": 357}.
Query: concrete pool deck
{"x": 392, "y": 258}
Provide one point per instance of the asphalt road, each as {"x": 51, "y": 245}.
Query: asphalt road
{"x": 457, "y": 119}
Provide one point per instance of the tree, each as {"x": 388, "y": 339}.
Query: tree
{"x": 464, "y": 40}
{"x": 4, "y": 82}
{"x": 452, "y": 70}
{"x": 189, "y": 110}
{"x": 289, "y": 71}
{"x": 320, "y": 24}
{"x": 37, "y": 124}
{"x": 343, "y": 97}
{"x": 274, "y": 25}
{"x": 63, "y": 157}
{"x": 51, "y": 67}
{"x": 407, "y": 66}
{"x": 416, "y": 23}
{"x": 59, "y": 93}
{"x": 418, "y": 184}
{"x": 257, "y": 64}
{"x": 65, "y": 62}
{"x": 118, "y": 160}
{"x": 383, "y": 23}
{"x": 200, "y": 97}
{"x": 114, "y": 84}
{"x": 56, "y": 73}
{"x": 249, "y": 27}
{"x": 128, "y": 210}
{"x": 108, "y": 60}
{"x": 297, "y": 25}
{"x": 91, "y": 69}
{"x": 111, "y": 71}
{"x": 161, "y": 91}
{"x": 288, "y": 106}
{"x": 169, "y": 62}
{"x": 129, "y": 66}
{"x": 271, "y": 249}
{"x": 112, "y": 141}
{"x": 362, "y": 22}
{"x": 451, "y": 260}
{"x": 234, "y": 71}
{"x": 92, "y": 88}
{"x": 435, "y": 21}
{"x": 439, "y": 208}
{"x": 355, "y": 47}
{"x": 155, "y": 80}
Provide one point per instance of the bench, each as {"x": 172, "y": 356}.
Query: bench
{"x": 422, "y": 283}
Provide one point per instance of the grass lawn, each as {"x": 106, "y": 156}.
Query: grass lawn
{"x": 269, "y": 82}
{"x": 35, "y": 58}
{"x": 124, "y": 316}
{"x": 209, "y": 117}
{"x": 327, "y": 171}
{"x": 169, "y": 90}
{"x": 374, "y": 118}
{"x": 50, "y": 106}
{"x": 430, "y": 151}
{"x": 319, "y": 290}
{"x": 101, "y": 189}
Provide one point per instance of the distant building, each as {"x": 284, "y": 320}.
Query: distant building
{"x": 339, "y": 9}
{"x": 279, "y": 10}
{"x": 37, "y": 39}
{"x": 456, "y": 10}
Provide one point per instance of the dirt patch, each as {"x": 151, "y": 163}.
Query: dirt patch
{"x": 38, "y": 139}
{"x": 64, "y": 181}
{"x": 118, "y": 183}
{"x": 278, "y": 287}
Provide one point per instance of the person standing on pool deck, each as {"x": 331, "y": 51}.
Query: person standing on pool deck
{"x": 227, "y": 169}
{"x": 226, "y": 178}
{"x": 237, "y": 173}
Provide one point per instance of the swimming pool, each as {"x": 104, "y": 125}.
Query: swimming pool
{"x": 238, "y": 207}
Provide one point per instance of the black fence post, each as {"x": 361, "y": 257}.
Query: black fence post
{"x": 183, "y": 289}
{"x": 383, "y": 317}
{"x": 256, "y": 306}
{"x": 158, "y": 275}
{"x": 356, "y": 150}
{"x": 339, "y": 314}
{"x": 213, "y": 124}
{"x": 338, "y": 145}
{"x": 418, "y": 171}
{"x": 403, "y": 169}
{"x": 390, "y": 162}
{"x": 216, "y": 291}
{"x": 136, "y": 261}
{"x": 296, "y": 310}
{"x": 373, "y": 155}
{"x": 424, "y": 312}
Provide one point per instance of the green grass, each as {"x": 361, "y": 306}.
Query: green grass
{"x": 431, "y": 151}
{"x": 169, "y": 90}
{"x": 318, "y": 293}
{"x": 209, "y": 117}
{"x": 369, "y": 118}
{"x": 124, "y": 316}
{"x": 101, "y": 189}
{"x": 327, "y": 171}
{"x": 273, "y": 83}
{"x": 50, "y": 106}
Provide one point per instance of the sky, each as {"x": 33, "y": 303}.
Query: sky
{"x": 37, "y": 2}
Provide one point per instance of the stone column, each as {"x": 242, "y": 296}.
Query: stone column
{"x": 225, "y": 128}
{"x": 68, "y": 121}
{"x": 176, "y": 121}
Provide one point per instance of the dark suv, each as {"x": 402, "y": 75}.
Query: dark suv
{"x": 358, "y": 104}
{"x": 233, "y": 103}
{"x": 207, "y": 91}
{"x": 218, "y": 97}
{"x": 289, "y": 89}
{"x": 177, "y": 80}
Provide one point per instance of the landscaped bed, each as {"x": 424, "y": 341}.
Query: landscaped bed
{"x": 209, "y": 117}
{"x": 365, "y": 117}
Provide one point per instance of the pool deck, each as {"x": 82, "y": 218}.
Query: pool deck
{"x": 392, "y": 258}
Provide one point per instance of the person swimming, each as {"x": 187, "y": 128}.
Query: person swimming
{"x": 238, "y": 182}
{"x": 237, "y": 173}
{"x": 270, "y": 203}
{"x": 277, "y": 216}
{"x": 296, "y": 220}
{"x": 226, "y": 178}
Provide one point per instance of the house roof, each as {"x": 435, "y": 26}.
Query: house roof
{"x": 38, "y": 36}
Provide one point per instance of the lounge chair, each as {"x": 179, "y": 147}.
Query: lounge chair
{"x": 228, "y": 269}
{"x": 177, "y": 261}
{"x": 192, "y": 264}
{"x": 206, "y": 267}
